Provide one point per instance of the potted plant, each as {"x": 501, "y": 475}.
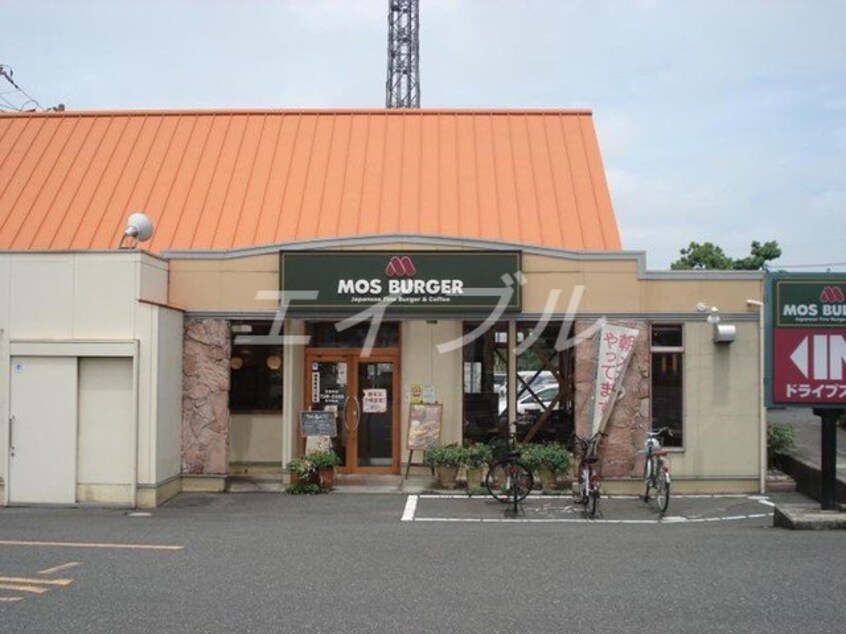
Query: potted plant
{"x": 549, "y": 461}
{"x": 304, "y": 478}
{"x": 324, "y": 463}
{"x": 479, "y": 454}
{"x": 446, "y": 460}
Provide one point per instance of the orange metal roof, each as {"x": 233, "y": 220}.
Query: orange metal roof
{"x": 236, "y": 179}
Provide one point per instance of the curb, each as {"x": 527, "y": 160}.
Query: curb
{"x": 808, "y": 517}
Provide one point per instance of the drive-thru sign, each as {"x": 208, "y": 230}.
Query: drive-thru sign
{"x": 807, "y": 336}
{"x": 806, "y": 356}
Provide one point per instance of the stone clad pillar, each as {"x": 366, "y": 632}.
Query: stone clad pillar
{"x": 630, "y": 416}
{"x": 205, "y": 397}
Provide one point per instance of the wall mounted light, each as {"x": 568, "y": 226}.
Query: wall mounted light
{"x": 139, "y": 228}
{"x": 723, "y": 333}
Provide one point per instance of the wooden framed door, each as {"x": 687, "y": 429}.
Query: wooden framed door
{"x": 368, "y": 430}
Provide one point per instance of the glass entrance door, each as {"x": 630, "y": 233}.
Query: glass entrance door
{"x": 363, "y": 394}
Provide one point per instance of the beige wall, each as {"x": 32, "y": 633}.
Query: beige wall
{"x": 422, "y": 363}
{"x": 721, "y": 405}
{"x": 168, "y": 381}
{"x": 292, "y": 391}
{"x": 105, "y": 427}
{"x": 255, "y": 438}
{"x": 611, "y": 285}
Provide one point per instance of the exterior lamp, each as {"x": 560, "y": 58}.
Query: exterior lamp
{"x": 723, "y": 333}
{"x": 139, "y": 228}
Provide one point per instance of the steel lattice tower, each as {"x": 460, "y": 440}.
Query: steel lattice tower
{"x": 402, "y": 90}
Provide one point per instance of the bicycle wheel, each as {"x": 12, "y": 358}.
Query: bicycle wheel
{"x": 593, "y": 500}
{"x": 647, "y": 478}
{"x": 506, "y": 475}
{"x": 584, "y": 484}
{"x": 663, "y": 492}
{"x": 497, "y": 481}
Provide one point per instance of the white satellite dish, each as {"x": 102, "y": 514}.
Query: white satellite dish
{"x": 139, "y": 228}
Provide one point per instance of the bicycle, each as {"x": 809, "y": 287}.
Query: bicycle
{"x": 508, "y": 479}
{"x": 656, "y": 468}
{"x": 589, "y": 478}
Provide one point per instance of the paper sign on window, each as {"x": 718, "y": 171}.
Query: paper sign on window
{"x": 375, "y": 401}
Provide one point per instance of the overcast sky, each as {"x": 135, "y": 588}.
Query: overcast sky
{"x": 720, "y": 120}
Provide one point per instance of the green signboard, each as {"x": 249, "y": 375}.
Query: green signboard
{"x": 806, "y": 340}
{"x": 404, "y": 282}
{"x": 806, "y": 300}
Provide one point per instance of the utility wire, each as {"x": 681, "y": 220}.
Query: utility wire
{"x": 29, "y": 104}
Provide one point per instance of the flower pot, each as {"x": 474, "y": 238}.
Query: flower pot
{"x": 474, "y": 477}
{"x": 548, "y": 478}
{"x": 447, "y": 476}
{"x": 326, "y": 479}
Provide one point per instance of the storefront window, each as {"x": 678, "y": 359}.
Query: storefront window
{"x": 485, "y": 396}
{"x": 667, "y": 369}
{"x": 544, "y": 384}
{"x": 255, "y": 369}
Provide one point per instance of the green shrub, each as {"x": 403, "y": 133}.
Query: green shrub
{"x": 530, "y": 455}
{"x": 303, "y": 488}
{"x": 323, "y": 459}
{"x": 300, "y": 467}
{"x": 780, "y": 440}
{"x": 452, "y": 455}
{"x": 554, "y": 456}
{"x": 478, "y": 455}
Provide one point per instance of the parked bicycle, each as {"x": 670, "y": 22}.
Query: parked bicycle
{"x": 589, "y": 477}
{"x": 656, "y": 469}
{"x": 508, "y": 479}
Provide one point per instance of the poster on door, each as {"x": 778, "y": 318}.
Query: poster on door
{"x": 375, "y": 401}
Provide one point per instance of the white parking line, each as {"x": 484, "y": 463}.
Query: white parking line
{"x": 410, "y": 508}
{"x": 409, "y": 514}
{"x": 50, "y": 571}
{"x": 17, "y": 542}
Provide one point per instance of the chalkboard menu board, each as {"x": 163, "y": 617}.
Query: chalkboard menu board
{"x": 318, "y": 423}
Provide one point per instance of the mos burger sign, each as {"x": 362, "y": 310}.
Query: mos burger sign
{"x": 806, "y": 330}
{"x": 421, "y": 281}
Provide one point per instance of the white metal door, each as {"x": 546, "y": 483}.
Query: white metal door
{"x": 42, "y": 430}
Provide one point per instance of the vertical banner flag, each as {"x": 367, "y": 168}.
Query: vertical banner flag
{"x": 616, "y": 344}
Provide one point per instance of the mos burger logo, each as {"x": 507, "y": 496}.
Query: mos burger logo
{"x": 399, "y": 271}
{"x": 832, "y": 295}
{"x": 400, "y": 267}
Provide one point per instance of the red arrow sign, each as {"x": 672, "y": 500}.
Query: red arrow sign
{"x": 809, "y": 366}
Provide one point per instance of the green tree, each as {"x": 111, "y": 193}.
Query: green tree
{"x": 710, "y": 256}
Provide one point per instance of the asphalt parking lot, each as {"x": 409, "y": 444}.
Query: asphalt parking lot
{"x": 264, "y": 562}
